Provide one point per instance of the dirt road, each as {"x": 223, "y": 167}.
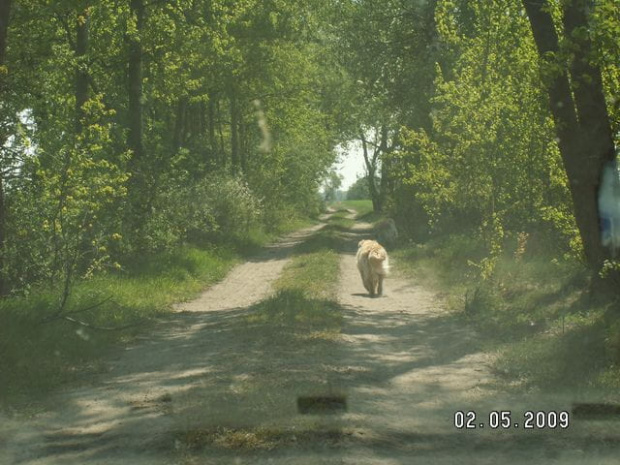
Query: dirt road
{"x": 210, "y": 387}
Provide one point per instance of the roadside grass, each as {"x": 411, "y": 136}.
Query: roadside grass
{"x": 37, "y": 356}
{"x": 535, "y": 311}
{"x": 340, "y": 220}
{"x": 305, "y": 297}
{"x": 257, "y": 236}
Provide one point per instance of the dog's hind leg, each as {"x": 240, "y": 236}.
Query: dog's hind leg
{"x": 373, "y": 285}
{"x": 380, "y": 287}
{"x": 365, "y": 279}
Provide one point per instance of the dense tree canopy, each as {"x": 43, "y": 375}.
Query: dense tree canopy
{"x": 486, "y": 143}
{"x": 136, "y": 126}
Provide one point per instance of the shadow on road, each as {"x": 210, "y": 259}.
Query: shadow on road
{"x": 223, "y": 384}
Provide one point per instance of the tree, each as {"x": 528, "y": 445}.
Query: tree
{"x": 134, "y": 109}
{"x": 389, "y": 49}
{"x": 582, "y": 122}
{"x": 331, "y": 186}
{"x": 359, "y": 189}
{"x": 381, "y": 146}
{"x": 5, "y": 10}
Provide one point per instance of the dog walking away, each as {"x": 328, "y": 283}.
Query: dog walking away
{"x": 386, "y": 232}
{"x": 372, "y": 261}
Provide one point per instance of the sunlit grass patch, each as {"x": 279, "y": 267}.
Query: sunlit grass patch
{"x": 294, "y": 309}
{"x": 574, "y": 357}
{"x": 230, "y": 438}
{"x": 315, "y": 274}
{"x": 362, "y": 207}
{"x": 305, "y": 297}
{"x": 340, "y": 222}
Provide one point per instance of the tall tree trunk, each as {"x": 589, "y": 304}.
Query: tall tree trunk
{"x": 81, "y": 73}
{"x": 234, "y": 132}
{"x": 371, "y": 168}
{"x": 243, "y": 149}
{"x": 222, "y": 157}
{"x": 385, "y": 168}
{"x": 138, "y": 197}
{"x": 5, "y": 9}
{"x": 179, "y": 124}
{"x": 135, "y": 140}
{"x": 582, "y": 124}
{"x": 211, "y": 129}
{"x": 386, "y": 180}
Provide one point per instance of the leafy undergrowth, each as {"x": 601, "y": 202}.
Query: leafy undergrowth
{"x": 536, "y": 311}
{"x": 258, "y": 236}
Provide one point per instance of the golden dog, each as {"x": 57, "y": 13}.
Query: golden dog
{"x": 372, "y": 261}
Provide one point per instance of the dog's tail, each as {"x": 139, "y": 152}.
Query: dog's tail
{"x": 379, "y": 261}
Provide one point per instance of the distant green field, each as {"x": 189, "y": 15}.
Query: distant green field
{"x": 363, "y": 207}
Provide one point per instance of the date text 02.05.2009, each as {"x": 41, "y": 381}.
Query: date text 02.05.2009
{"x": 505, "y": 419}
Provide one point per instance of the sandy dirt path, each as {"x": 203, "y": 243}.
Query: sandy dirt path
{"x": 125, "y": 415}
{"x": 413, "y": 365}
{"x": 211, "y": 387}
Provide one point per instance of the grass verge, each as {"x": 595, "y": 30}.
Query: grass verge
{"x": 305, "y": 297}
{"x": 38, "y": 355}
{"x": 534, "y": 310}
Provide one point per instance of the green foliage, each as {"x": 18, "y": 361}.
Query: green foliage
{"x": 220, "y": 208}
{"x": 331, "y": 185}
{"x": 534, "y": 310}
{"x": 489, "y": 163}
{"x": 237, "y": 130}
{"x": 66, "y": 212}
{"x": 359, "y": 190}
